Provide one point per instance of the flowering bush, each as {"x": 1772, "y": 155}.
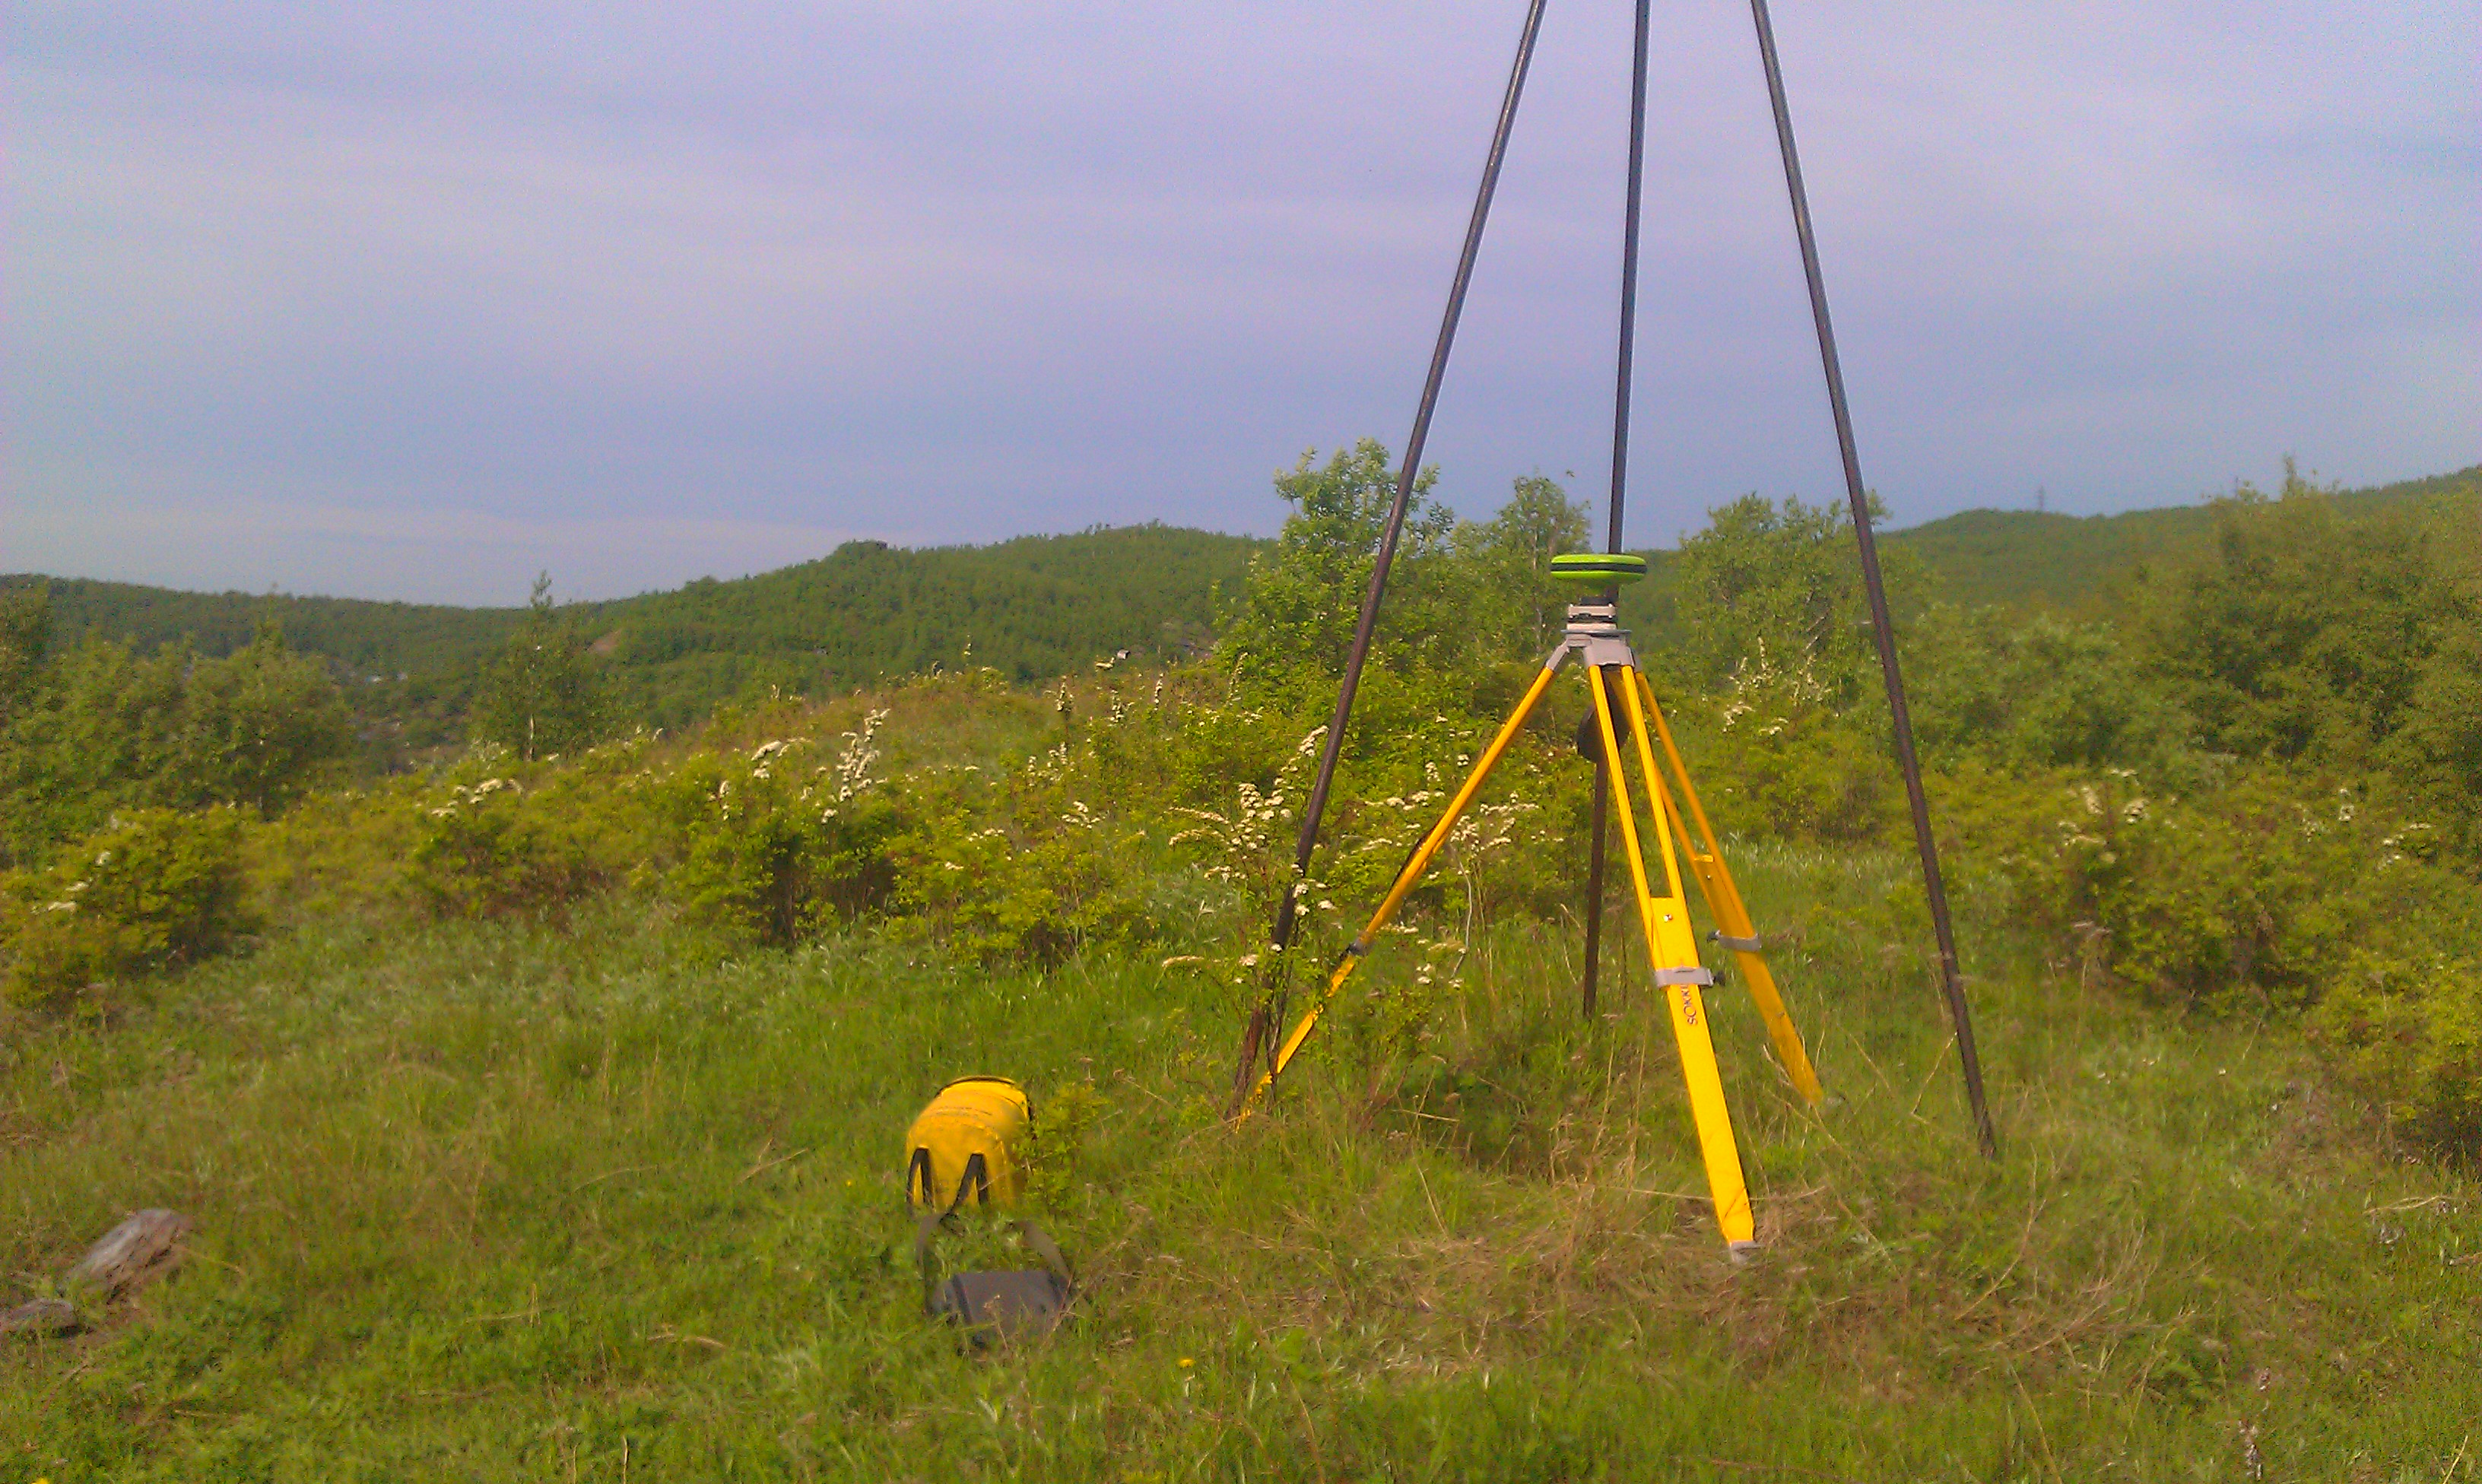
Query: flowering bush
{"x": 154, "y": 887}
{"x": 772, "y": 847}
{"x": 2252, "y": 894}
{"x": 493, "y": 847}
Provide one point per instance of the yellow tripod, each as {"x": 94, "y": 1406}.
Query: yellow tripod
{"x": 1595, "y": 638}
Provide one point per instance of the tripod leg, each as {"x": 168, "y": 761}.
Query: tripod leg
{"x": 1418, "y": 863}
{"x": 1732, "y": 917}
{"x": 1673, "y": 950}
{"x": 1594, "y": 871}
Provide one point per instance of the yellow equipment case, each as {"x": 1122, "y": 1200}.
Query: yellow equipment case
{"x": 968, "y": 1141}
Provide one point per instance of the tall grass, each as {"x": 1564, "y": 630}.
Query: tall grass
{"x": 607, "y": 1200}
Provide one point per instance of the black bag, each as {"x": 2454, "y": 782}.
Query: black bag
{"x": 997, "y": 1306}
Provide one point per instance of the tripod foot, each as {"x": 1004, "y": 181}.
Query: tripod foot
{"x": 1742, "y": 1254}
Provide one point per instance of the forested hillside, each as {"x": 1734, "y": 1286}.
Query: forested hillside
{"x": 2082, "y": 564}
{"x": 1032, "y": 607}
{"x": 1029, "y": 608}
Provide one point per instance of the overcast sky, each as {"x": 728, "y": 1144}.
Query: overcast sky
{"x": 399, "y": 299}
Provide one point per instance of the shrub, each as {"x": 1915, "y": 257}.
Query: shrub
{"x": 2254, "y": 893}
{"x": 491, "y": 847}
{"x": 2409, "y": 1033}
{"x": 1779, "y": 755}
{"x": 154, "y": 887}
{"x": 772, "y": 851}
{"x": 1046, "y": 878}
{"x": 773, "y": 846}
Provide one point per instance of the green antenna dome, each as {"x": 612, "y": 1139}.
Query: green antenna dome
{"x": 1596, "y": 571}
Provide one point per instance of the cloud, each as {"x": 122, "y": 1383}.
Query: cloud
{"x": 931, "y": 272}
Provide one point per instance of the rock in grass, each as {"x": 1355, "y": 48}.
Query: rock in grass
{"x": 40, "y": 1317}
{"x": 144, "y": 1246}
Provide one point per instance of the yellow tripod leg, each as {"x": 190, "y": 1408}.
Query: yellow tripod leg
{"x": 1724, "y": 900}
{"x": 1406, "y": 879}
{"x": 1672, "y": 948}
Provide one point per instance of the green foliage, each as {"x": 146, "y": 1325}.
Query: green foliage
{"x": 2306, "y": 634}
{"x": 2436, "y": 753}
{"x": 1778, "y": 758}
{"x": 1458, "y": 592}
{"x": 260, "y": 726}
{"x": 1304, "y": 595}
{"x": 1781, "y": 580}
{"x": 100, "y": 728}
{"x": 775, "y": 851}
{"x": 1156, "y": 808}
{"x": 542, "y": 695}
{"x": 155, "y": 887}
{"x": 2084, "y": 567}
{"x": 25, "y": 635}
{"x": 1992, "y": 689}
{"x": 2250, "y": 894}
{"x": 2408, "y": 1031}
{"x": 491, "y": 847}
{"x": 1508, "y": 558}
{"x": 1029, "y": 609}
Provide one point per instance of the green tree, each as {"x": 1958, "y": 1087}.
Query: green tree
{"x": 1304, "y": 595}
{"x": 1507, "y": 562}
{"x": 101, "y": 728}
{"x": 2304, "y": 634}
{"x": 2039, "y": 692}
{"x": 25, "y": 635}
{"x": 1458, "y": 592}
{"x": 2435, "y": 751}
{"x": 1782, "y": 585}
{"x": 257, "y": 728}
{"x": 542, "y": 695}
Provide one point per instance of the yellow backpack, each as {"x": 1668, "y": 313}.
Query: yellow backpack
{"x": 968, "y": 1141}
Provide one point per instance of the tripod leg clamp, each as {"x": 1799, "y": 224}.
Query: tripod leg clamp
{"x": 1748, "y": 944}
{"x": 1664, "y": 978}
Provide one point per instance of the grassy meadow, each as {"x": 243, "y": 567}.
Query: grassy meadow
{"x": 604, "y": 1199}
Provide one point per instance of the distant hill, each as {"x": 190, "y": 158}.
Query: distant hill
{"x": 1030, "y": 608}
{"x": 362, "y": 636}
{"x": 2033, "y": 559}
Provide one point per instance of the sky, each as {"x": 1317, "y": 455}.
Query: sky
{"x": 412, "y": 300}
